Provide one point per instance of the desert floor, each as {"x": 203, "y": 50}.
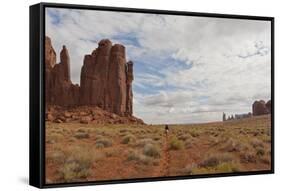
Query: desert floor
{"x": 89, "y": 152}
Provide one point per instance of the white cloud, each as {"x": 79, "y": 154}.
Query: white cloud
{"x": 227, "y": 60}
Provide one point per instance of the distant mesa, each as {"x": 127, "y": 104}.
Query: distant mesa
{"x": 261, "y": 108}
{"x": 258, "y": 108}
{"x": 105, "y": 80}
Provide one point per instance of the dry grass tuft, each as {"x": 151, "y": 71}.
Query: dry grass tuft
{"x": 213, "y": 160}
{"x": 175, "y": 144}
{"x": 151, "y": 151}
{"x": 128, "y": 139}
{"x": 103, "y": 142}
{"x": 81, "y": 135}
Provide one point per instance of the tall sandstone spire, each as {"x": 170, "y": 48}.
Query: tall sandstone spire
{"x": 104, "y": 77}
{"x": 105, "y": 80}
{"x": 59, "y": 88}
{"x": 129, "y": 80}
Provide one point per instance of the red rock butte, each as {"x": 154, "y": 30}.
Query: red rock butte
{"x": 105, "y": 81}
{"x": 261, "y": 108}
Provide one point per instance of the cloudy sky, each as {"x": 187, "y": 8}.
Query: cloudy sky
{"x": 187, "y": 69}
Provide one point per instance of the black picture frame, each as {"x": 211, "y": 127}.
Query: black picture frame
{"x": 37, "y": 96}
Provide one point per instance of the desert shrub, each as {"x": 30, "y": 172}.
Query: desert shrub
{"x": 232, "y": 146}
{"x": 194, "y": 133}
{"x": 138, "y": 157}
{"x": 73, "y": 171}
{"x": 65, "y": 131}
{"x": 99, "y": 137}
{"x": 132, "y": 155}
{"x": 103, "y": 143}
{"x": 265, "y": 159}
{"x": 81, "y": 130}
{"x": 227, "y": 167}
{"x": 257, "y": 143}
{"x": 214, "y": 140}
{"x": 248, "y": 157}
{"x": 188, "y": 169}
{"x": 184, "y": 137}
{"x": 144, "y": 141}
{"x": 188, "y": 143}
{"x": 81, "y": 135}
{"x": 175, "y": 144}
{"x": 123, "y": 130}
{"x": 260, "y": 151}
{"x": 56, "y": 157}
{"x": 266, "y": 139}
{"x": 111, "y": 152}
{"x": 156, "y": 138}
{"x": 151, "y": 151}
{"x": 54, "y": 138}
{"x": 99, "y": 145}
{"x": 128, "y": 138}
{"x": 71, "y": 139}
{"x": 213, "y": 160}
{"x": 77, "y": 164}
{"x": 145, "y": 159}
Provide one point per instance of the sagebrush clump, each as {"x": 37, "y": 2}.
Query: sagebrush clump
{"x": 175, "y": 144}
{"x": 151, "y": 150}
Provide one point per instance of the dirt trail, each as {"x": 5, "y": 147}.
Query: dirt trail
{"x": 163, "y": 168}
{"x": 166, "y": 157}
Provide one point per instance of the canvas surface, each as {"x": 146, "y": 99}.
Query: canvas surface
{"x": 133, "y": 95}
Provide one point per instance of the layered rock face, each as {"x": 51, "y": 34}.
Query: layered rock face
{"x": 59, "y": 88}
{"x": 105, "y": 81}
{"x": 261, "y": 108}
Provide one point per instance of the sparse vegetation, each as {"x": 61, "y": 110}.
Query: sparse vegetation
{"x": 151, "y": 150}
{"x": 128, "y": 138}
{"x": 248, "y": 157}
{"x": 139, "y": 157}
{"x": 212, "y": 160}
{"x": 232, "y": 146}
{"x": 176, "y": 144}
{"x": 103, "y": 142}
{"x": 81, "y": 135}
{"x": 257, "y": 143}
{"x": 76, "y": 165}
{"x": 82, "y": 152}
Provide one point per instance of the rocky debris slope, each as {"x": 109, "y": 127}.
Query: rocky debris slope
{"x": 86, "y": 115}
